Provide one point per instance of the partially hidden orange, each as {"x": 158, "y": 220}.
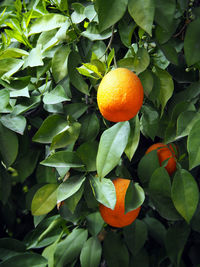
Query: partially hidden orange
{"x": 120, "y": 95}
{"x": 118, "y": 217}
{"x": 165, "y": 152}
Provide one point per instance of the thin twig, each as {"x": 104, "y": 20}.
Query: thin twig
{"x": 110, "y": 42}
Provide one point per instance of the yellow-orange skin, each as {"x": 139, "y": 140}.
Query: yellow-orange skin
{"x": 164, "y": 153}
{"x": 117, "y": 217}
{"x": 120, "y": 95}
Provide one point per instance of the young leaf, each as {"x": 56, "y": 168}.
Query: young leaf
{"x": 193, "y": 145}
{"x": 142, "y": 13}
{"x": 69, "y": 187}
{"x": 44, "y": 200}
{"x": 185, "y": 194}
{"x": 91, "y": 253}
{"x": 104, "y": 191}
{"x": 112, "y": 144}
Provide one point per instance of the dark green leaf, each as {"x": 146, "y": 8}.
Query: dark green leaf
{"x": 191, "y": 43}
{"x": 52, "y": 125}
{"x": 26, "y": 105}
{"x": 185, "y": 194}
{"x": 112, "y": 144}
{"x": 156, "y": 229}
{"x": 69, "y": 187}
{"x": 91, "y": 253}
{"x": 44, "y": 200}
{"x": 89, "y": 127}
{"x": 104, "y": 191}
{"x": 69, "y": 249}
{"x": 135, "y": 236}
{"x": 57, "y": 95}
{"x": 75, "y": 110}
{"x": 146, "y": 78}
{"x": 8, "y": 145}
{"x": 134, "y": 197}
{"x": 95, "y": 223}
{"x": 10, "y": 247}
{"x": 109, "y": 12}
{"x": 193, "y": 145}
{"x": 142, "y": 13}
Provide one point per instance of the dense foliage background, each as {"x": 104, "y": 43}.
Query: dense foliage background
{"x": 57, "y": 153}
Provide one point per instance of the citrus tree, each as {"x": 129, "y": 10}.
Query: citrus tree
{"x": 99, "y": 133}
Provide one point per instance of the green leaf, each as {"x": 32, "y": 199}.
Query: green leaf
{"x": 9, "y": 66}
{"x": 79, "y": 13}
{"x": 23, "y": 92}
{"x": 26, "y": 104}
{"x": 191, "y": 43}
{"x": 142, "y": 13}
{"x": 193, "y": 147}
{"x": 35, "y": 58}
{"x": 10, "y": 247}
{"x": 8, "y": 145}
{"x": 5, "y": 186}
{"x": 4, "y": 98}
{"x": 134, "y": 137}
{"x": 109, "y": 12}
{"x": 63, "y": 159}
{"x": 28, "y": 259}
{"x": 47, "y": 22}
{"x": 52, "y": 125}
{"x": 14, "y": 123}
{"x": 104, "y": 191}
{"x": 156, "y": 229}
{"x": 91, "y": 253}
{"x": 175, "y": 241}
{"x": 68, "y": 136}
{"x": 185, "y": 194}
{"x": 69, "y": 249}
{"x": 146, "y": 78}
{"x": 13, "y": 53}
{"x": 69, "y": 187}
{"x": 89, "y": 127}
{"x": 185, "y": 123}
{"x": 110, "y": 57}
{"x": 75, "y": 78}
{"x": 55, "y": 96}
{"x": 73, "y": 201}
{"x": 44, "y": 199}
{"x": 166, "y": 86}
{"x": 94, "y": 223}
{"x": 75, "y": 110}
{"x": 60, "y": 63}
{"x": 147, "y": 165}
{"x": 134, "y": 197}
{"x": 87, "y": 152}
{"x": 93, "y": 33}
{"x": 114, "y": 245}
{"x": 170, "y": 53}
{"x": 135, "y": 236}
{"x": 112, "y": 144}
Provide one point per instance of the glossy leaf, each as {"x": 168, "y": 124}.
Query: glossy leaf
{"x": 68, "y": 249}
{"x": 57, "y": 95}
{"x": 44, "y": 200}
{"x": 52, "y": 125}
{"x": 142, "y": 13}
{"x": 89, "y": 127}
{"x": 134, "y": 197}
{"x": 109, "y": 12}
{"x": 185, "y": 194}
{"x": 193, "y": 145}
{"x": 91, "y": 253}
{"x": 112, "y": 144}
{"x": 104, "y": 191}
{"x": 14, "y": 123}
{"x": 8, "y": 145}
{"x": 4, "y": 98}
{"x": 69, "y": 187}
{"x": 63, "y": 159}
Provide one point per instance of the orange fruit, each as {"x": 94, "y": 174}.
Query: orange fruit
{"x": 120, "y": 95}
{"x": 117, "y": 217}
{"x": 165, "y": 153}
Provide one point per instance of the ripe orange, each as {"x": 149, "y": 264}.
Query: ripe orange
{"x": 120, "y": 95}
{"x": 165, "y": 153}
{"x": 117, "y": 217}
